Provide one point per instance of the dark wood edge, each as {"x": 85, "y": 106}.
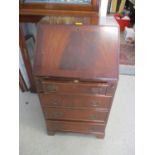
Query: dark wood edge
{"x": 37, "y": 18}
{"x": 22, "y": 83}
{"x": 48, "y": 12}
{"x": 98, "y": 135}
{"x": 30, "y": 18}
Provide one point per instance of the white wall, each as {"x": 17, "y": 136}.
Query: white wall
{"x": 103, "y": 8}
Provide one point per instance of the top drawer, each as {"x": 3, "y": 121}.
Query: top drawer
{"x": 73, "y": 87}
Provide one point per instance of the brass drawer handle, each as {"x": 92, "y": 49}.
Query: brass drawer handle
{"x": 78, "y": 23}
{"x": 52, "y": 88}
{"x": 76, "y": 81}
{"x": 57, "y": 114}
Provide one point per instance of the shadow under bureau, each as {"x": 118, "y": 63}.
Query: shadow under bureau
{"x": 76, "y": 75}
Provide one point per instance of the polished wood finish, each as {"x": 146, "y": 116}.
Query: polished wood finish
{"x": 67, "y": 100}
{"x": 76, "y": 56}
{"x": 74, "y": 88}
{"x": 77, "y": 86}
{"x": 80, "y": 127}
{"x": 72, "y": 114}
{"x": 76, "y": 74}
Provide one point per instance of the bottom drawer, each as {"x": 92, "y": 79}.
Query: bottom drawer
{"x": 80, "y": 127}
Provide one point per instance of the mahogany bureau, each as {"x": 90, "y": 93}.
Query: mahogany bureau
{"x": 76, "y": 74}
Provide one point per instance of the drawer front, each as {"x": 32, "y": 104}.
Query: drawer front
{"x": 75, "y": 101}
{"x": 75, "y": 114}
{"x": 75, "y": 126}
{"x": 74, "y": 88}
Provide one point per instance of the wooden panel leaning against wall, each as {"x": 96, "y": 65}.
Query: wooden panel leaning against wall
{"x": 26, "y": 59}
{"x": 22, "y": 83}
{"x": 27, "y": 19}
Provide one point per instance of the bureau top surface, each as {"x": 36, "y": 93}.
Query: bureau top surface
{"x": 83, "y": 52}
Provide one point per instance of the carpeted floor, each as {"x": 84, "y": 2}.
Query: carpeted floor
{"x": 127, "y": 54}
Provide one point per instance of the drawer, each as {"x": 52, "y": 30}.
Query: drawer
{"x": 80, "y": 127}
{"x": 75, "y": 114}
{"x": 76, "y": 101}
{"x": 74, "y": 88}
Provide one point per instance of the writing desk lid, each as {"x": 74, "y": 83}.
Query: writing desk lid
{"x": 83, "y": 52}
